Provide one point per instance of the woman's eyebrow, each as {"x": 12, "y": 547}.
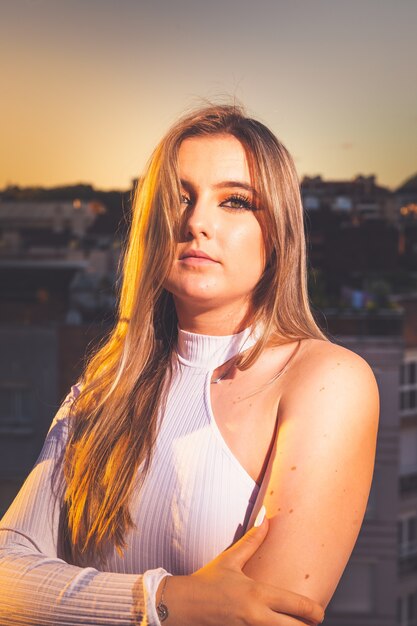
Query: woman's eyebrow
{"x": 224, "y": 184}
{"x": 235, "y": 183}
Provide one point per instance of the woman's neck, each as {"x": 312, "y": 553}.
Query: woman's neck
{"x": 211, "y": 327}
{"x": 212, "y": 322}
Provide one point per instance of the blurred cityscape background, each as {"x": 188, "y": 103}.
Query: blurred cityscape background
{"x": 88, "y": 88}
{"x": 59, "y": 255}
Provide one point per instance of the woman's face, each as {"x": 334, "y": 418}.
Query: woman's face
{"x": 219, "y": 220}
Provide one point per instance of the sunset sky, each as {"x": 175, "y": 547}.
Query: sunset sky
{"x": 89, "y": 86}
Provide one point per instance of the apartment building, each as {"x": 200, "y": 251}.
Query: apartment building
{"x": 407, "y": 513}
{"x": 367, "y": 592}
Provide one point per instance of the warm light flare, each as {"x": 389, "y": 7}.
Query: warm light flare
{"x": 409, "y": 209}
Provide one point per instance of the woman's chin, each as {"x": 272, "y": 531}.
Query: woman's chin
{"x": 199, "y": 298}
{"x": 197, "y": 290}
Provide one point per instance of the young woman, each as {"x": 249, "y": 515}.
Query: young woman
{"x": 216, "y": 397}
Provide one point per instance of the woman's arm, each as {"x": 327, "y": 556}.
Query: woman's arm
{"x": 36, "y": 587}
{"x": 219, "y": 594}
{"x": 319, "y": 477}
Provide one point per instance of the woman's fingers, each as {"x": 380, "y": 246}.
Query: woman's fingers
{"x": 291, "y": 603}
{"x": 294, "y": 605}
{"x": 240, "y": 552}
{"x": 280, "y": 619}
{"x": 244, "y": 600}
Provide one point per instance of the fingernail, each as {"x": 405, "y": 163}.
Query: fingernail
{"x": 260, "y": 517}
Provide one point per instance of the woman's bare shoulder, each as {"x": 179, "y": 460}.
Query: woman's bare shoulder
{"x": 317, "y": 355}
{"x": 310, "y": 357}
{"x": 327, "y": 369}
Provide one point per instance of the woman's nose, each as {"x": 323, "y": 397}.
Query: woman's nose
{"x": 199, "y": 220}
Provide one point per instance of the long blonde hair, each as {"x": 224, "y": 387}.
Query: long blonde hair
{"x": 114, "y": 421}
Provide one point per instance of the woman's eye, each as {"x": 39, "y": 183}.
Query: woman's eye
{"x": 238, "y": 202}
{"x": 185, "y": 199}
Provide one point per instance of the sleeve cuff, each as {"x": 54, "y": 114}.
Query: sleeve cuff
{"x": 151, "y": 580}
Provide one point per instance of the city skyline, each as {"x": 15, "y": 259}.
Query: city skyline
{"x": 90, "y": 87}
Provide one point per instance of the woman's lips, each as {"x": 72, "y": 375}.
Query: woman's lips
{"x": 196, "y": 256}
{"x": 197, "y": 260}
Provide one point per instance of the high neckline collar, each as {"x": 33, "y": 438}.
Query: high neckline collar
{"x": 210, "y": 351}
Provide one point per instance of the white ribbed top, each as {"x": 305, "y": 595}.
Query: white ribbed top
{"x": 195, "y": 501}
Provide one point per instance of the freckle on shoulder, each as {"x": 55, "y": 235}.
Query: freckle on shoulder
{"x": 328, "y": 353}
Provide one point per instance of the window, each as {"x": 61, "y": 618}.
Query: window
{"x": 408, "y": 400}
{"x": 407, "y": 610}
{"x": 412, "y": 373}
{"x": 16, "y": 407}
{"x": 311, "y": 202}
{"x": 400, "y": 533}
{"x": 342, "y": 203}
{"x": 411, "y": 607}
{"x": 408, "y": 384}
{"x": 408, "y": 451}
{"x": 411, "y": 525}
{"x": 356, "y": 590}
{"x": 407, "y": 535}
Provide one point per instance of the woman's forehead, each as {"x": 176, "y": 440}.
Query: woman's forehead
{"x": 213, "y": 159}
